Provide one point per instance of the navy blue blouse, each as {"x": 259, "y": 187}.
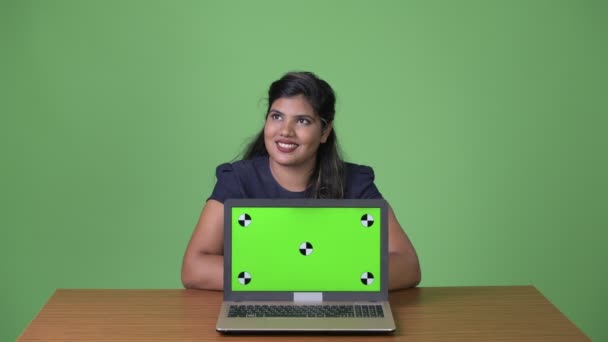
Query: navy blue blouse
{"x": 252, "y": 179}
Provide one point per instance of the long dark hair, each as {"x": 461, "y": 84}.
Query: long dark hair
{"x": 327, "y": 178}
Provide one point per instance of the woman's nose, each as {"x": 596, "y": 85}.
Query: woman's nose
{"x": 287, "y": 129}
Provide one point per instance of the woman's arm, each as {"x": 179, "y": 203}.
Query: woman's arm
{"x": 203, "y": 264}
{"x": 403, "y": 264}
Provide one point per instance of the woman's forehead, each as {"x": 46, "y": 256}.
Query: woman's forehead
{"x": 293, "y": 105}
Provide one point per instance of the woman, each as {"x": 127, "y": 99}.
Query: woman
{"x": 294, "y": 156}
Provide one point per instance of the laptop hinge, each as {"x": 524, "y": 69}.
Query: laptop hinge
{"x": 308, "y": 296}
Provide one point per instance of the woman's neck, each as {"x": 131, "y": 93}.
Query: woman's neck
{"x": 291, "y": 178}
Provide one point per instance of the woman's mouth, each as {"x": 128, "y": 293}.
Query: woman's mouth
{"x": 286, "y": 147}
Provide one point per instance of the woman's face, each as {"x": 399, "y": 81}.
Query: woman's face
{"x": 292, "y": 133}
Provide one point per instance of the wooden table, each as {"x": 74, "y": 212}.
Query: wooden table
{"x": 513, "y": 313}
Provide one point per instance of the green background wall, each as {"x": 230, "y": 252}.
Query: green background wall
{"x": 485, "y": 122}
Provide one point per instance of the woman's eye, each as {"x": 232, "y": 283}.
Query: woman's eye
{"x": 304, "y": 121}
{"x": 275, "y": 116}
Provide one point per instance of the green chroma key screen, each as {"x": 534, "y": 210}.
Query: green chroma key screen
{"x": 305, "y": 249}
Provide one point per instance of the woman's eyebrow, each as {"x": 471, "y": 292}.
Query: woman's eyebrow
{"x": 298, "y": 116}
{"x": 306, "y": 116}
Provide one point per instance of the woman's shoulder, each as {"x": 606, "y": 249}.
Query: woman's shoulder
{"x": 239, "y": 179}
{"x": 358, "y": 170}
{"x": 240, "y": 167}
{"x": 360, "y": 181}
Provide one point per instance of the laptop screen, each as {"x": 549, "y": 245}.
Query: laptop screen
{"x": 286, "y": 248}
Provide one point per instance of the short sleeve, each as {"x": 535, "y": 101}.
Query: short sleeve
{"x": 361, "y": 184}
{"x": 228, "y": 184}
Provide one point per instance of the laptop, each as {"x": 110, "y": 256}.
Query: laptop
{"x": 305, "y": 265}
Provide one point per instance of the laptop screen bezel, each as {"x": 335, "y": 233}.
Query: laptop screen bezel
{"x": 230, "y": 295}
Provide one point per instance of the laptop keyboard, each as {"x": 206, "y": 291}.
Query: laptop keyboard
{"x": 362, "y": 311}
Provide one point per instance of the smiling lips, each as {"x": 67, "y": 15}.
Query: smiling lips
{"x": 286, "y": 146}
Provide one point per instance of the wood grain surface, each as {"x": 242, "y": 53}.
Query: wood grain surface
{"x": 518, "y": 313}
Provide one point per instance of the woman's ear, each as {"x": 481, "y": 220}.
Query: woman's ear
{"x": 326, "y": 131}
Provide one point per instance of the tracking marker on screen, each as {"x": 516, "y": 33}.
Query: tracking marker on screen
{"x": 367, "y": 278}
{"x": 244, "y": 220}
{"x": 367, "y": 220}
{"x": 306, "y": 248}
{"x": 244, "y": 278}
